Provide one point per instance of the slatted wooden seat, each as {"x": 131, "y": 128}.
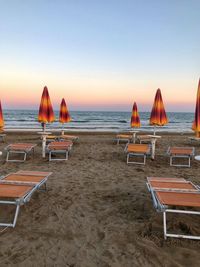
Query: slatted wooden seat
{"x": 180, "y": 152}
{"x": 59, "y": 147}
{"x": 125, "y": 137}
{"x": 175, "y": 193}
{"x": 17, "y": 188}
{"x": 144, "y": 139}
{"x": 19, "y": 148}
{"x": 137, "y": 150}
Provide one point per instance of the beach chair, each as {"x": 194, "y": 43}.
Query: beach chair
{"x": 72, "y": 138}
{"x": 174, "y": 192}
{"x": 126, "y": 137}
{"x": 19, "y": 149}
{"x": 144, "y": 139}
{"x": 181, "y": 152}
{"x": 59, "y": 147}
{"x": 65, "y": 137}
{"x": 137, "y": 150}
{"x": 17, "y": 188}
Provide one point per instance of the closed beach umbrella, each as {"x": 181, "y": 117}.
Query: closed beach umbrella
{"x": 158, "y": 115}
{"x": 196, "y": 123}
{"x": 1, "y": 119}
{"x": 46, "y": 113}
{"x": 135, "y": 119}
{"x": 64, "y": 113}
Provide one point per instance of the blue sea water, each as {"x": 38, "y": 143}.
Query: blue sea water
{"x": 96, "y": 121}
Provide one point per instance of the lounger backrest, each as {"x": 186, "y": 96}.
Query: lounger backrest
{"x": 186, "y": 199}
{"x": 172, "y": 185}
{"x": 14, "y": 191}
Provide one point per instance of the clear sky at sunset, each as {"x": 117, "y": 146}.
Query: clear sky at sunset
{"x": 100, "y": 54}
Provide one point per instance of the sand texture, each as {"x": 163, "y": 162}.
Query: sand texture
{"x": 97, "y": 210}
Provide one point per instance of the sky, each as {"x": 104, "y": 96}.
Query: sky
{"x": 99, "y": 54}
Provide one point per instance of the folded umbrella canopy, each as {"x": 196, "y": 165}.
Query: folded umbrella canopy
{"x": 64, "y": 113}
{"x": 135, "y": 119}
{"x": 196, "y": 123}
{"x": 158, "y": 115}
{"x": 46, "y": 113}
{"x": 1, "y": 119}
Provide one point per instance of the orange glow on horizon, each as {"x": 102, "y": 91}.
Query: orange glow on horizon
{"x": 24, "y": 90}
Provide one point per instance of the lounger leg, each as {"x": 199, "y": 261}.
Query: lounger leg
{"x": 127, "y": 159}
{"x": 7, "y": 156}
{"x": 16, "y": 215}
{"x": 165, "y": 225}
{"x": 24, "y": 156}
{"x": 145, "y": 159}
{"x": 49, "y": 155}
{"x": 170, "y": 161}
{"x": 189, "y": 162}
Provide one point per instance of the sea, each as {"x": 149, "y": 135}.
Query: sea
{"x": 96, "y": 121}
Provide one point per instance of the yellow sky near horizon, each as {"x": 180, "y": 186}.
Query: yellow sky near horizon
{"x": 24, "y": 89}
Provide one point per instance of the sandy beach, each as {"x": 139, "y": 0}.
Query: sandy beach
{"x": 97, "y": 210}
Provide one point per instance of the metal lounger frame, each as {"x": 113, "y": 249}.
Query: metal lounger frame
{"x": 25, "y": 152}
{"x": 23, "y": 200}
{"x": 164, "y": 209}
{"x": 137, "y": 155}
{"x": 17, "y": 202}
{"x": 129, "y": 154}
{"x": 58, "y": 152}
{"x": 173, "y": 156}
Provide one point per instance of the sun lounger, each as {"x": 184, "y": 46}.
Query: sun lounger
{"x": 73, "y": 138}
{"x": 137, "y": 150}
{"x": 174, "y": 192}
{"x": 126, "y": 137}
{"x": 195, "y": 139}
{"x": 62, "y": 147}
{"x": 65, "y": 137}
{"x": 17, "y": 188}
{"x": 180, "y": 152}
{"x": 144, "y": 139}
{"x": 20, "y": 149}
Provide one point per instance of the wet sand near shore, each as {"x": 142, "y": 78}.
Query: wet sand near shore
{"x": 97, "y": 210}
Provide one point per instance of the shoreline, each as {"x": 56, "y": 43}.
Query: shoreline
{"x": 86, "y": 131}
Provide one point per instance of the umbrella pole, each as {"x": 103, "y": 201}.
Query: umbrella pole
{"x": 44, "y": 140}
{"x": 62, "y": 132}
{"x": 154, "y": 130}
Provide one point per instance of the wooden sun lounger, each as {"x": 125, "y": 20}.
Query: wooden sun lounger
{"x": 181, "y": 152}
{"x": 126, "y": 137}
{"x": 19, "y": 148}
{"x": 66, "y": 137}
{"x": 144, "y": 139}
{"x": 174, "y": 193}
{"x": 59, "y": 148}
{"x": 17, "y": 189}
{"x": 137, "y": 150}
{"x": 73, "y": 138}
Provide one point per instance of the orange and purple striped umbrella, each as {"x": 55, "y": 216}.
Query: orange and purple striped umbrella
{"x": 196, "y": 123}
{"x": 1, "y": 118}
{"x": 64, "y": 113}
{"x": 135, "y": 119}
{"x": 46, "y": 113}
{"x": 158, "y": 115}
